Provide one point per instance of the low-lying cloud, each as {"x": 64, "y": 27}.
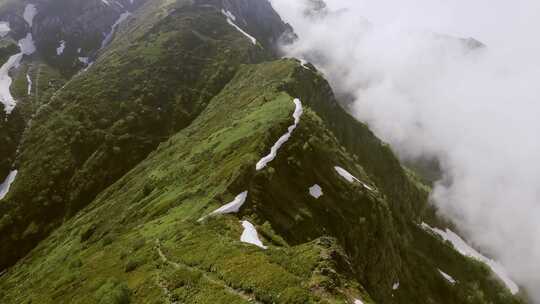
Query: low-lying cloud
{"x": 429, "y": 94}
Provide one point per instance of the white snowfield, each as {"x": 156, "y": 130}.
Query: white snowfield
{"x": 232, "y": 207}
{"x": 462, "y": 247}
{"x": 29, "y": 80}
{"x": 283, "y": 139}
{"x": 4, "y": 187}
{"x": 250, "y": 235}
{"x": 228, "y": 14}
{"x": 30, "y": 11}
{"x": 27, "y": 45}
{"x": 303, "y": 63}
{"x": 230, "y": 19}
{"x": 358, "y": 301}
{"x": 60, "y": 49}
{"x": 84, "y": 60}
{"x": 316, "y": 191}
{"x": 395, "y": 286}
{"x": 350, "y": 178}
{"x": 5, "y": 83}
{"x": 447, "y": 277}
{"x": 4, "y": 28}
{"x": 109, "y": 36}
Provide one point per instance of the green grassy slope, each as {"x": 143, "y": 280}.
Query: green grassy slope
{"x": 197, "y": 169}
{"x": 139, "y": 241}
{"x": 152, "y": 81}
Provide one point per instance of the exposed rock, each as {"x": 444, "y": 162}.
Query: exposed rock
{"x": 258, "y": 18}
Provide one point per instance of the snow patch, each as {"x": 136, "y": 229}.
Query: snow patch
{"x": 230, "y": 19}
{"x": 106, "y": 2}
{"x": 283, "y": 139}
{"x": 4, "y": 28}
{"x": 350, "y": 178}
{"x": 303, "y": 63}
{"x": 345, "y": 174}
{"x": 250, "y": 235}
{"x": 447, "y": 277}
{"x": 27, "y": 47}
{"x": 462, "y": 247}
{"x": 357, "y": 301}
{"x": 232, "y": 207}
{"x": 5, "y": 83}
{"x": 228, "y": 14}
{"x": 84, "y": 60}
{"x": 29, "y": 80}
{"x": 395, "y": 286}
{"x": 315, "y": 191}
{"x": 109, "y": 35}
{"x": 60, "y": 49}
{"x": 4, "y": 187}
{"x": 30, "y": 11}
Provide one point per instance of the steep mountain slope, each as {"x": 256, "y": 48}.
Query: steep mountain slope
{"x": 109, "y": 118}
{"x": 120, "y": 171}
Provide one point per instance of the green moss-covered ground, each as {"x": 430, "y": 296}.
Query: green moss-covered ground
{"x": 140, "y": 241}
{"x": 118, "y": 166}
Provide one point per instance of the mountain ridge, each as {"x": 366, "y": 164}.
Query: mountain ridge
{"x": 116, "y": 236}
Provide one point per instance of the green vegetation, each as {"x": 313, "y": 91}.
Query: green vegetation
{"x": 342, "y": 246}
{"x": 119, "y": 165}
{"x": 106, "y": 120}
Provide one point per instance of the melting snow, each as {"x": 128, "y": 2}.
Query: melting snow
{"x": 345, "y": 174}
{"x": 60, "y": 48}
{"x": 27, "y": 48}
{"x": 462, "y": 247}
{"x": 447, "y": 277}
{"x": 5, "y": 83}
{"x": 283, "y": 139}
{"x": 4, "y": 187}
{"x": 395, "y": 286}
{"x": 250, "y": 235}
{"x": 29, "y": 80}
{"x": 350, "y": 178}
{"x": 109, "y": 36}
{"x": 228, "y": 14}
{"x": 30, "y": 11}
{"x": 357, "y": 301}
{"x": 303, "y": 63}
{"x": 27, "y": 45}
{"x": 4, "y": 28}
{"x": 316, "y": 191}
{"x": 84, "y": 60}
{"x": 232, "y": 207}
{"x": 230, "y": 19}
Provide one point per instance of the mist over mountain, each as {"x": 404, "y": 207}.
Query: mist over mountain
{"x": 429, "y": 95}
{"x": 256, "y": 151}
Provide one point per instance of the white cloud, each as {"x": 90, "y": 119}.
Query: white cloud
{"x": 477, "y": 111}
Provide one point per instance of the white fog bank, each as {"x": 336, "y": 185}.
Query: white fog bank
{"x": 429, "y": 94}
